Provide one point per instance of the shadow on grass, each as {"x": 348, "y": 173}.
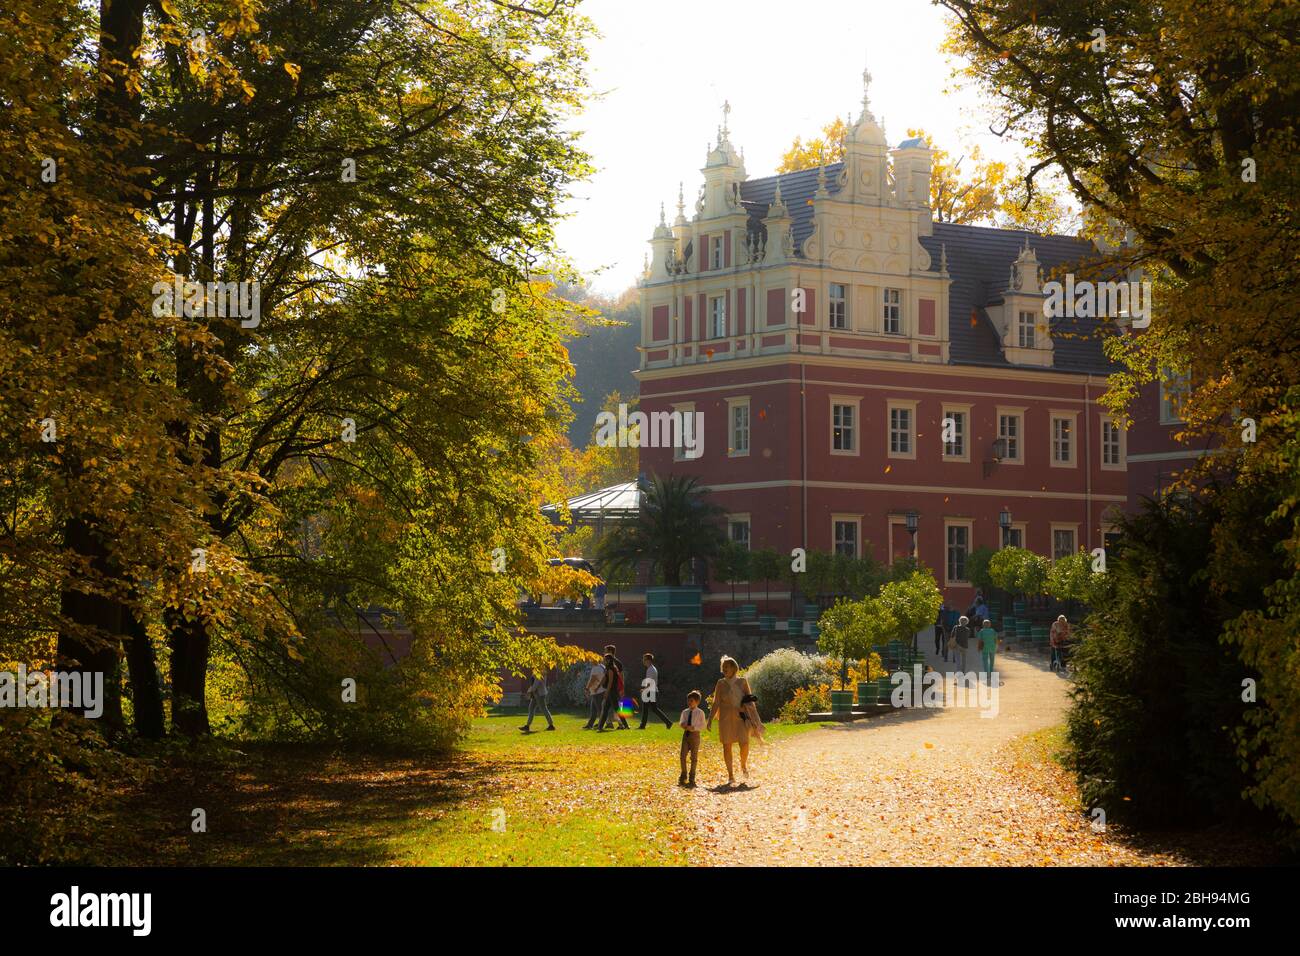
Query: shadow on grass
{"x": 283, "y": 805}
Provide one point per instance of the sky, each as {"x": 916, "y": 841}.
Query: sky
{"x": 660, "y": 73}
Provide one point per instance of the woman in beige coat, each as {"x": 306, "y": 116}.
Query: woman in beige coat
{"x": 728, "y": 704}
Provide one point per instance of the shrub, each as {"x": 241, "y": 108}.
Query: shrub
{"x": 775, "y": 678}
{"x": 806, "y": 700}
{"x": 1157, "y": 695}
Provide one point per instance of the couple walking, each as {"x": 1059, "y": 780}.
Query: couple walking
{"x": 735, "y": 710}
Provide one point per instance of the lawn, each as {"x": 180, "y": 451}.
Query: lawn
{"x": 568, "y": 797}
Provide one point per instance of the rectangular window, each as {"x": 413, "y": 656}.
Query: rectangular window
{"x": 716, "y": 241}
{"x": 1062, "y": 543}
{"x": 739, "y": 428}
{"x": 1112, "y": 444}
{"x": 900, "y": 431}
{"x": 1009, "y": 436}
{"x": 842, "y": 427}
{"x": 1025, "y": 329}
{"x": 686, "y": 412}
{"x": 1062, "y": 441}
{"x": 1173, "y": 389}
{"x": 718, "y": 306}
{"x": 739, "y": 528}
{"x": 958, "y": 548}
{"x": 846, "y": 538}
{"x": 1015, "y": 537}
{"x": 954, "y": 426}
{"x": 839, "y": 306}
{"x": 893, "y": 314}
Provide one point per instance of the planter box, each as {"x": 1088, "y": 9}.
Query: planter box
{"x": 665, "y": 605}
{"x": 841, "y": 701}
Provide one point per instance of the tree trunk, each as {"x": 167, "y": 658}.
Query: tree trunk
{"x": 189, "y": 644}
{"x": 146, "y": 694}
{"x": 90, "y": 647}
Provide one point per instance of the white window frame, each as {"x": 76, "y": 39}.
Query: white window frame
{"x": 1121, "y": 444}
{"x": 1072, "y": 441}
{"x": 736, "y": 520}
{"x": 733, "y": 446}
{"x": 1017, "y": 527}
{"x": 855, "y": 429}
{"x": 969, "y": 525}
{"x": 892, "y": 309}
{"x": 1007, "y": 411}
{"x": 717, "y": 255}
{"x": 837, "y": 307}
{"x": 903, "y": 405}
{"x": 1177, "y": 387}
{"x": 718, "y": 317}
{"x": 1071, "y": 527}
{"x": 949, "y": 410}
{"x": 679, "y": 451}
{"x": 1026, "y": 323}
{"x": 856, "y": 522}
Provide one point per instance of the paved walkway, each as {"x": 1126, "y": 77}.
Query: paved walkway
{"x": 923, "y": 786}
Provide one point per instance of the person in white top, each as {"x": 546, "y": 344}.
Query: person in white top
{"x": 595, "y": 693}
{"x": 692, "y": 723}
{"x": 650, "y": 693}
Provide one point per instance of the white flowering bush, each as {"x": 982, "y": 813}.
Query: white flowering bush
{"x": 776, "y": 677}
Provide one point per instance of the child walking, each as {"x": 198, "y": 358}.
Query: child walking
{"x": 692, "y": 723}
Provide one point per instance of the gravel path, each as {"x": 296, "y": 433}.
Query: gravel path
{"x": 920, "y": 787}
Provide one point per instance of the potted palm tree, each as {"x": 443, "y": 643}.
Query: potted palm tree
{"x": 675, "y": 525}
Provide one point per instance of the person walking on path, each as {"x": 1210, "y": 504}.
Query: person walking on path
{"x": 728, "y": 698}
{"x": 940, "y": 635}
{"x": 988, "y": 639}
{"x": 650, "y": 693}
{"x": 613, "y": 695}
{"x": 1058, "y": 637}
{"x": 959, "y": 640}
{"x": 537, "y": 701}
{"x": 595, "y": 693}
{"x": 692, "y": 722}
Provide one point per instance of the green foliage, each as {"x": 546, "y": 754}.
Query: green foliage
{"x": 1018, "y": 571}
{"x": 1071, "y": 578}
{"x": 675, "y": 525}
{"x": 813, "y": 699}
{"x": 775, "y": 677}
{"x": 977, "y": 567}
{"x": 1157, "y": 695}
{"x": 911, "y": 603}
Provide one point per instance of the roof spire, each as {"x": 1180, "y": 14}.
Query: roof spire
{"x": 943, "y": 258}
{"x": 726, "y": 113}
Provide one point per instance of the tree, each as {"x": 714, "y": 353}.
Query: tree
{"x": 819, "y": 151}
{"x": 849, "y": 630}
{"x": 732, "y": 564}
{"x": 675, "y": 525}
{"x": 912, "y": 603}
{"x": 767, "y": 564}
{"x": 1018, "y": 571}
{"x": 1071, "y": 578}
{"x": 977, "y": 567}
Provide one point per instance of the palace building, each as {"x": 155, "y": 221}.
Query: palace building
{"x": 852, "y": 362}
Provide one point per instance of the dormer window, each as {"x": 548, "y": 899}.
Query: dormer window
{"x": 715, "y": 254}
{"x": 893, "y": 315}
{"x": 1025, "y": 330}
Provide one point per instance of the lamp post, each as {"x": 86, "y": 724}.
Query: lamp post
{"x": 1004, "y": 522}
{"x": 911, "y": 520}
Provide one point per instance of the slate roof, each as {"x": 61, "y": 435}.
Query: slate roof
{"x": 979, "y": 262}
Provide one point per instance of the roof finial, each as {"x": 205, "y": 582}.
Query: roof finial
{"x": 726, "y": 113}
{"x": 943, "y": 258}
{"x": 821, "y": 175}
{"x": 777, "y": 200}
{"x": 681, "y": 201}
{"x": 866, "y": 94}
{"x": 662, "y": 222}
